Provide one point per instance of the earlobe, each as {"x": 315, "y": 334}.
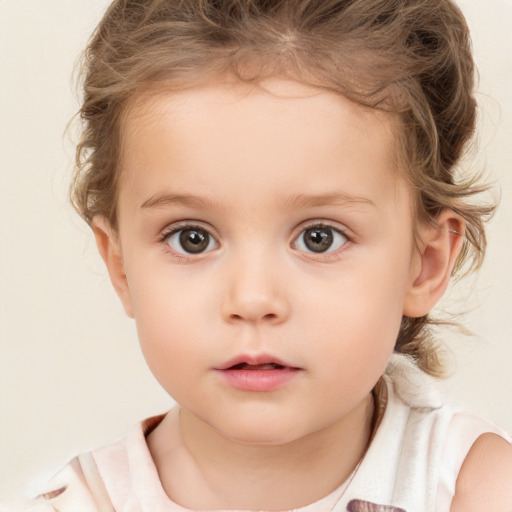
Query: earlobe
{"x": 439, "y": 247}
{"x": 110, "y": 250}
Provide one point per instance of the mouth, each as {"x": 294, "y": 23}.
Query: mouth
{"x": 260, "y": 362}
{"x": 260, "y": 373}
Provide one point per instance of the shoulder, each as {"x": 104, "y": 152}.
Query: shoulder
{"x": 484, "y": 479}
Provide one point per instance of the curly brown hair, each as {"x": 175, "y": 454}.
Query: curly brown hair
{"x": 412, "y": 58}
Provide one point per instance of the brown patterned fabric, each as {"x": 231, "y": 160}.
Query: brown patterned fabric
{"x": 366, "y": 506}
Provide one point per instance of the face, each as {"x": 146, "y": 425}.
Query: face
{"x": 266, "y": 238}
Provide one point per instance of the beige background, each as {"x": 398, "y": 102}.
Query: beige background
{"x": 72, "y": 376}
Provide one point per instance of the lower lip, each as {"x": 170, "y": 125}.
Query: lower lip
{"x": 259, "y": 380}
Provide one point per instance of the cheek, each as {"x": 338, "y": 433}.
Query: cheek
{"x": 169, "y": 321}
{"x": 369, "y": 294}
{"x": 171, "y": 351}
{"x": 364, "y": 312}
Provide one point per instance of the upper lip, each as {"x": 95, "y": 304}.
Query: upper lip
{"x": 255, "y": 359}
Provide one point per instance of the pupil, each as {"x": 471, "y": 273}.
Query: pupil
{"x": 194, "y": 240}
{"x": 318, "y": 239}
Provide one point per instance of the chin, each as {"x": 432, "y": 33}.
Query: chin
{"x": 261, "y": 437}
{"x": 261, "y": 430}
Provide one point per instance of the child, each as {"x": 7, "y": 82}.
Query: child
{"x": 273, "y": 187}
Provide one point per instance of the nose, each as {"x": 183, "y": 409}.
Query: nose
{"x": 255, "y": 292}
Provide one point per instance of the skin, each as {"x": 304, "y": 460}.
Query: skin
{"x": 484, "y": 479}
{"x": 254, "y": 168}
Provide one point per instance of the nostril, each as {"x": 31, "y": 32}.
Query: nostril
{"x": 265, "y": 317}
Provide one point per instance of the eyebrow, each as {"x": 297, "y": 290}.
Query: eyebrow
{"x": 334, "y": 198}
{"x": 297, "y": 201}
{"x": 187, "y": 200}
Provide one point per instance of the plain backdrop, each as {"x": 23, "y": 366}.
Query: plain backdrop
{"x": 72, "y": 376}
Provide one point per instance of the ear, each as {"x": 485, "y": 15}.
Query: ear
{"x": 438, "y": 248}
{"x": 110, "y": 250}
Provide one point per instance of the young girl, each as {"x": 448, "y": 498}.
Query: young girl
{"x": 273, "y": 186}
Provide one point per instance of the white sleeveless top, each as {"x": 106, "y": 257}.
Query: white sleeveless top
{"x": 411, "y": 464}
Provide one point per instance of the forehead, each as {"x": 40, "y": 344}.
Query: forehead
{"x": 286, "y": 100}
{"x": 279, "y": 131}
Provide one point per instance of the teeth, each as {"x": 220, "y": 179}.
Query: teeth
{"x": 266, "y": 366}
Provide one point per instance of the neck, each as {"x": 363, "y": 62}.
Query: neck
{"x": 201, "y": 469}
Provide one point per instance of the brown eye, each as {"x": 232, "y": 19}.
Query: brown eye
{"x": 320, "y": 239}
{"x": 191, "y": 241}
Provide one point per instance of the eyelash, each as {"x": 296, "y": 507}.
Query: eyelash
{"x": 324, "y": 256}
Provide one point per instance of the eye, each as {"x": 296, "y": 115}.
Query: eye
{"x": 191, "y": 240}
{"x": 320, "y": 239}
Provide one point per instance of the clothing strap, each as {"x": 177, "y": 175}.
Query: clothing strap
{"x": 86, "y": 464}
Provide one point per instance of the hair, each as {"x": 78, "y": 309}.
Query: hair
{"x": 411, "y": 58}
